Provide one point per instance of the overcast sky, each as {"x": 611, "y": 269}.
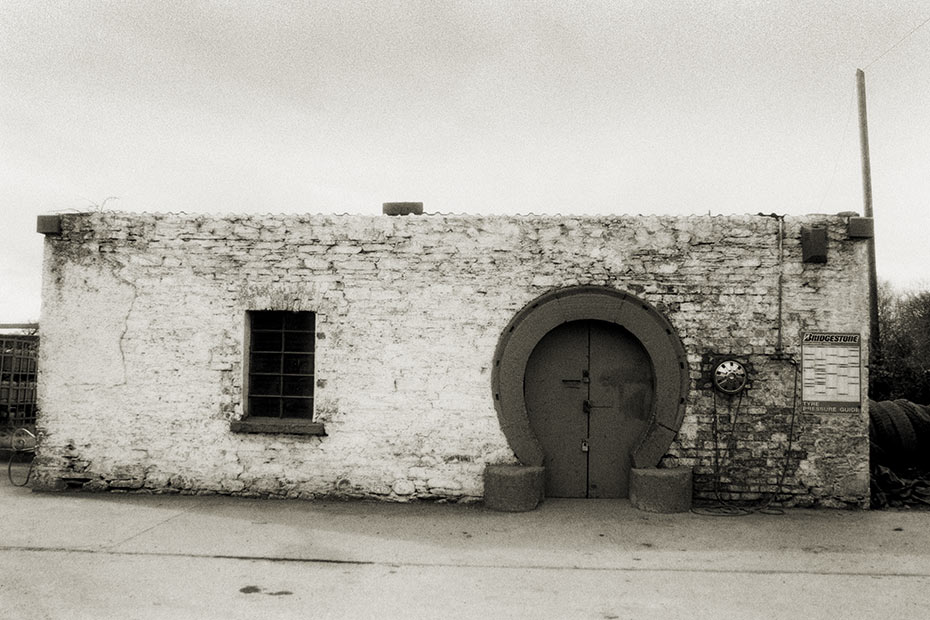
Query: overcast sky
{"x": 477, "y": 107}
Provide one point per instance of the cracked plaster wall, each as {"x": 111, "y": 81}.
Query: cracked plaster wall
{"x": 143, "y": 324}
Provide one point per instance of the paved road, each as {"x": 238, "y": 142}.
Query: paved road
{"x": 75, "y": 556}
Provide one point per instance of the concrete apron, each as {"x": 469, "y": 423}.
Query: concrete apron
{"x": 597, "y": 532}
{"x": 145, "y": 556}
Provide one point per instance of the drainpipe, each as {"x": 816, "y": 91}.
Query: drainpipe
{"x": 779, "y": 344}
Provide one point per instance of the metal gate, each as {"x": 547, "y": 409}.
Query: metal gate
{"x": 589, "y": 389}
{"x": 18, "y": 380}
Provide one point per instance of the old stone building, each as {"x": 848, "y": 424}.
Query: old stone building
{"x": 397, "y": 357}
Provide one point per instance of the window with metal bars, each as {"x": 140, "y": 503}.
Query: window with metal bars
{"x": 279, "y": 373}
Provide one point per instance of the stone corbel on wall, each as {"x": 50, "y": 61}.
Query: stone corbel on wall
{"x": 48, "y": 224}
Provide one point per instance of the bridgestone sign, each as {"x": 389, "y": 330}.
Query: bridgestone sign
{"x": 831, "y": 373}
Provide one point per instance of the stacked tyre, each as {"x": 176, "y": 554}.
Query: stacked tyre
{"x": 897, "y": 430}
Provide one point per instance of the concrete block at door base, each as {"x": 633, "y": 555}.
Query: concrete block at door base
{"x": 513, "y": 488}
{"x": 661, "y": 490}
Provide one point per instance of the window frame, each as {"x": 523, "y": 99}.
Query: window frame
{"x": 268, "y": 424}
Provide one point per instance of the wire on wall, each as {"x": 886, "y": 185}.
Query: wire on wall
{"x": 725, "y": 507}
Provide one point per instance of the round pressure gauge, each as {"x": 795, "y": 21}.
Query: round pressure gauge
{"x": 729, "y": 376}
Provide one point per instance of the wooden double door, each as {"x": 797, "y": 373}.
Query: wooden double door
{"x": 589, "y": 388}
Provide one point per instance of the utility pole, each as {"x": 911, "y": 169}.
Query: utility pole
{"x": 874, "y": 348}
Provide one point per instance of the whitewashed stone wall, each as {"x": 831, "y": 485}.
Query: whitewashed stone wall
{"x": 143, "y": 324}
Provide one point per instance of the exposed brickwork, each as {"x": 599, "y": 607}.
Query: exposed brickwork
{"x": 143, "y": 323}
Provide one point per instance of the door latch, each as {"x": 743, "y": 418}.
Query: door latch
{"x": 577, "y": 383}
{"x": 584, "y": 445}
{"x": 587, "y": 406}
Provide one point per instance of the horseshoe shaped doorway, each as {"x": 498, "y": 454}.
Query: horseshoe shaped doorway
{"x": 641, "y": 381}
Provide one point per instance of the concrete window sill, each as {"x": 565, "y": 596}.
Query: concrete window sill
{"x": 288, "y": 426}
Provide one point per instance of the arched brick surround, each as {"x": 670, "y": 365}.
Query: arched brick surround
{"x": 577, "y": 303}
